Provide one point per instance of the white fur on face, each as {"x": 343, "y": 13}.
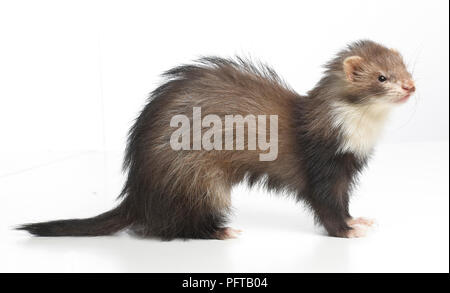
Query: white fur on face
{"x": 395, "y": 91}
{"x": 360, "y": 125}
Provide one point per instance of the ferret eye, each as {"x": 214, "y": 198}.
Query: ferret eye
{"x": 382, "y": 78}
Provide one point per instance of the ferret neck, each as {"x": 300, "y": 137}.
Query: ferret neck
{"x": 359, "y": 126}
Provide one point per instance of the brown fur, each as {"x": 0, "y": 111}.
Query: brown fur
{"x": 186, "y": 193}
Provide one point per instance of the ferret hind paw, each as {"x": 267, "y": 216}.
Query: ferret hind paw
{"x": 227, "y": 233}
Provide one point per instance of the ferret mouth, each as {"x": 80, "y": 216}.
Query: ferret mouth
{"x": 403, "y": 99}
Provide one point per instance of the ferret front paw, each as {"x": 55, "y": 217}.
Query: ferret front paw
{"x": 356, "y": 232}
{"x": 359, "y": 226}
{"x": 361, "y": 221}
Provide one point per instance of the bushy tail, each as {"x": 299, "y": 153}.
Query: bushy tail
{"x": 104, "y": 224}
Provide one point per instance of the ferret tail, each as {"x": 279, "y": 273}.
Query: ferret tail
{"x": 103, "y": 224}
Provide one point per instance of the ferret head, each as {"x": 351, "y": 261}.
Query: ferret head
{"x": 371, "y": 73}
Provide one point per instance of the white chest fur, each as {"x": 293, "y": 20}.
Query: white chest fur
{"x": 360, "y": 125}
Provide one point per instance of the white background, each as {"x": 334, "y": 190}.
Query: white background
{"x": 74, "y": 75}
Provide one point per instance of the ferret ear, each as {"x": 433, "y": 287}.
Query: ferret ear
{"x": 352, "y": 65}
{"x": 395, "y": 51}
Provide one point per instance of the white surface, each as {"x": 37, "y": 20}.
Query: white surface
{"x": 74, "y": 74}
{"x": 406, "y": 189}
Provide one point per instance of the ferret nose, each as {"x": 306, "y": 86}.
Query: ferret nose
{"x": 409, "y": 86}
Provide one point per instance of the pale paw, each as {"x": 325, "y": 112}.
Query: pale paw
{"x": 359, "y": 226}
{"x": 361, "y": 221}
{"x": 357, "y": 231}
{"x": 228, "y": 233}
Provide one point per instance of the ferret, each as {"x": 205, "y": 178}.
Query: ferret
{"x": 325, "y": 139}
